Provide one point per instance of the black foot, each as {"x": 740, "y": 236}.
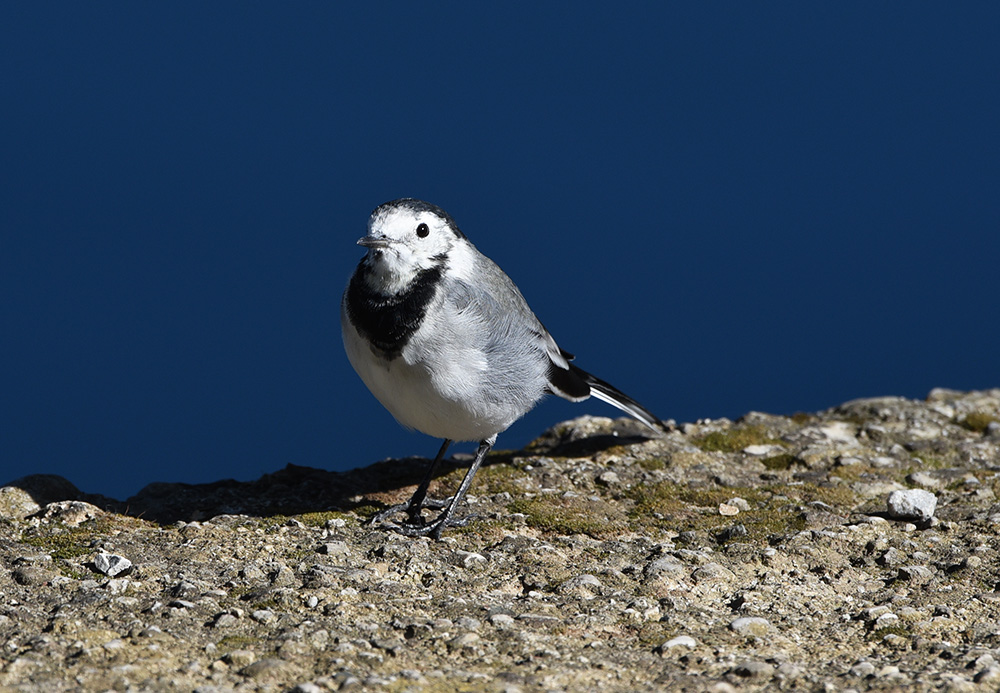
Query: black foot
{"x": 432, "y": 529}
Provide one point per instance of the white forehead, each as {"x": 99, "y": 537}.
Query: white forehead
{"x": 400, "y": 222}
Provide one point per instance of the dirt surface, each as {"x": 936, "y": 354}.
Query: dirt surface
{"x": 758, "y": 554}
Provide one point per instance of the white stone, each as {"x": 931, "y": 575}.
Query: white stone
{"x": 679, "y": 641}
{"x": 111, "y": 564}
{"x": 751, "y": 625}
{"x": 912, "y": 504}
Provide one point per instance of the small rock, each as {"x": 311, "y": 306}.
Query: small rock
{"x": 912, "y": 504}
{"x": 990, "y": 675}
{"x": 729, "y": 533}
{"x": 16, "y": 503}
{"x": 469, "y": 623}
{"x": 924, "y": 480}
{"x": 585, "y": 585}
{"x": 919, "y": 574}
{"x": 728, "y": 509}
{"x": 760, "y": 450}
{"x": 502, "y": 621}
{"x": 333, "y": 548}
{"x": 713, "y": 572}
{"x": 608, "y": 479}
{"x": 758, "y": 671}
{"x": 112, "y": 564}
{"x": 269, "y": 669}
{"x": 307, "y": 687}
{"x": 240, "y": 658}
{"x": 740, "y": 503}
{"x": 680, "y": 641}
{"x": 471, "y": 559}
{"x": 885, "y": 620}
{"x": 863, "y": 670}
{"x": 789, "y": 671}
{"x": 71, "y": 513}
{"x": 751, "y": 626}
{"x": 29, "y": 575}
{"x": 665, "y": 566}
{"x": 971, "y": 562}
{"x": 264, "y": 616}
{"x": 224, "y": 620}
{"x": 891, "y": 558}
{"x": 465, "y": 641}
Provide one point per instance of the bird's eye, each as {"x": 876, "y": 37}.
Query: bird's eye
{"x": 423, "y": 230}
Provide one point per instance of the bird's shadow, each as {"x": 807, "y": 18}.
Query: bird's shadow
{"x": 294, "y": 489}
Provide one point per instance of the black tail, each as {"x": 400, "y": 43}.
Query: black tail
{"x": 576, "y": 384}
{"x": 616, "y": 398}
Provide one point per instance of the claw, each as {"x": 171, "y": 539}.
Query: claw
{"x": 382, "y": 516}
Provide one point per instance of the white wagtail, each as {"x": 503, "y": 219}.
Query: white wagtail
{"x": 445, "y": 341}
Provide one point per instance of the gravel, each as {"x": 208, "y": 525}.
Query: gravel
{"x": 766, "y": 553}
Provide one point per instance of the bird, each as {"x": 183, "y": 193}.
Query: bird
{"x": 445, "y": 341}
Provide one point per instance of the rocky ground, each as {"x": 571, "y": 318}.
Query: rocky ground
{"x": 757, "y": 554}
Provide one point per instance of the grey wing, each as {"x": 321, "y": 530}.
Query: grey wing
{"x": 514, "y": 329}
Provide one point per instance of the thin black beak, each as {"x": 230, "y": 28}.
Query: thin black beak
{"x": 373, "y": 242}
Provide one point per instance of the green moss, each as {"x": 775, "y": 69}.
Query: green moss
{"x": 977, "y": 421}
{"x": 930, "y": 460}
{"x": 652, "y": 464}
{"x": 237, "y": 642}
{"x": 852, "y": 472}
{"x": 801, "y": 418}
{"x": 879, "y": 634}
{"x": 319, "y": 519}
{"x": 734, "y": 439}
{"x": 840, "y": 497}
{"x": 63, "y": 542}
{"x": 501, "y": 477}
{"x": 572, "y": 515}
{"x": 684, "y": 508}
{"x": 780, "y": 462}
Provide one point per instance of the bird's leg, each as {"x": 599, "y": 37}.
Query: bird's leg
{"x": 418, "y": 500}
{"x": 445, "y": 519}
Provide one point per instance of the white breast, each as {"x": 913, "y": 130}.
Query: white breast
{"x": 436, "y": 386}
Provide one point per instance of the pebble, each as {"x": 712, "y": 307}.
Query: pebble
{"x": 334, "y": 548}
{"x": 919, "y": 574}
{"x": 307, "y": 687}
{"x": 502, "y": 621}
{"x": 112, "y": 564}
{"x": 264, "y": 616}
{"x": 756, "y": 670}
{"x": 729, "y": 533}
{"x": 224, "y": 620}
{"x": 586, "y": 586}
{"x": 680, "y": 641}
{"x": 269, "y": 669}
{"x": 713, "y": 572}
{"x": 240, "y": 658}
{"x": 608, "y": 479}
{"x": 891, "y": 558}
{"x": 925, "y": 480}
{"x": 465, "y": 641}
{"x": 750, "y": 626}
{"x": 912, "y": 504}
{"x": 863, "y": 670}
{"x": 761, "y": 450}
{"x": 989, "y": 675}
{"x": 16, "y": 503}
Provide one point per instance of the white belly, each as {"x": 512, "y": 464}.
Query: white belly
{"x": 445, "y": 400}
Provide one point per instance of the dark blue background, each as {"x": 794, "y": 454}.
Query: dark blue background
{"x": 718, "y": 207}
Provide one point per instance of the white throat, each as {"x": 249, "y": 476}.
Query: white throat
{"x": 391, "y": 274}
